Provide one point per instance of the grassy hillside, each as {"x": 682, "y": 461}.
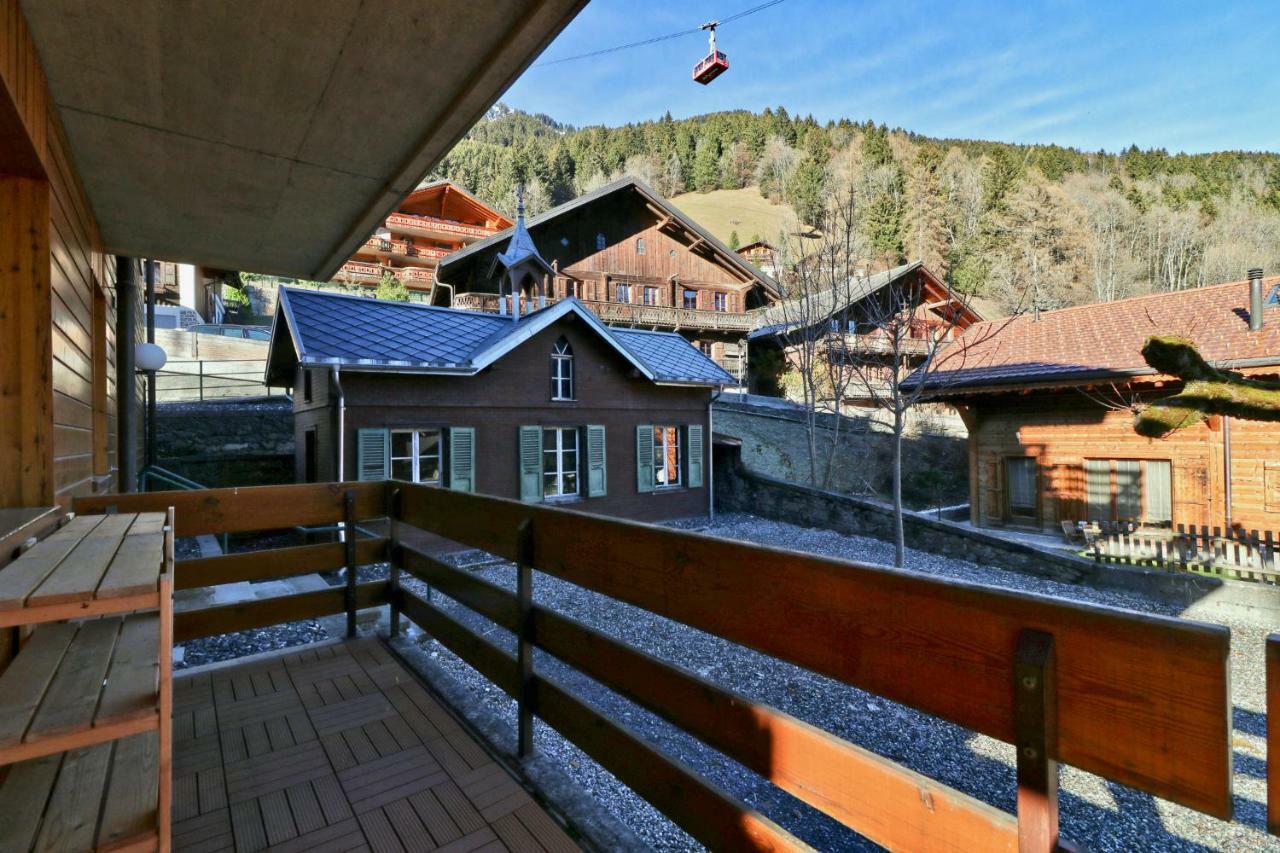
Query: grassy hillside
{"x": 722, "y": 212}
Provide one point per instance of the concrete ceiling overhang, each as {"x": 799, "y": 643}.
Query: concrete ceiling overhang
{"x": 271, "y": 136}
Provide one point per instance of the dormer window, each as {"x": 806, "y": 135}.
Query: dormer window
{"x": 600, "y": 242}
{"x": 639, "y": 245}
{"x": 562, "y": 371}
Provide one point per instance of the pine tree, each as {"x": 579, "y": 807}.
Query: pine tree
{"x": 734, "y": 242}
{"x": 1271, "y": 193}
{"x": 706, "y": 166}
{"x": 807, "y": 191}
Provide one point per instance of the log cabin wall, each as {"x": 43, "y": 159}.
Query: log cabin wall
{"x": 513, "y": 392}
{"x": 1062, "y": 430}
{"x": 57, "y": 300}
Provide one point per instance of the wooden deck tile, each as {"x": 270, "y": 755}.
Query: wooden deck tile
{"x": 339, "y": 748}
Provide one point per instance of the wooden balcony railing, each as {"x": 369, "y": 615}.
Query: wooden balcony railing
{"x": 403, "y": 249}
{"x": 625, "y": 313}
{"x": 360, "y": 271}
{"x": 1138, "y": 699}
{"x": 432, "y": 225}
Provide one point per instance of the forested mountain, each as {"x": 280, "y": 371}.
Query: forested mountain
{"x": 1017, "y": 224}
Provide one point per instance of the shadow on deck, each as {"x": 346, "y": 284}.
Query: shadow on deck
{"x": 338, "y": 747}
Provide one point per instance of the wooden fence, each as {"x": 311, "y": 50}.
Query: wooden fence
{"x": 1139, "y": 699}
{"x": 1231, "y": 552}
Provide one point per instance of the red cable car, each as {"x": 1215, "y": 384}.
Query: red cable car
{"x": 715, "y": 63}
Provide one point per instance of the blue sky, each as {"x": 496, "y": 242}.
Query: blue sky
{"x": 1186, "y": 76}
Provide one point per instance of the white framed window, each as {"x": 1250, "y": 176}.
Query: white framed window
{"x": 416, "y": 456}
{"x": 639, "y": 245}
{"x": 666, "y": 456}
{"x": 562, "y": 371}
{"x": 722, "y": 301}
{"x": 601, "y": 242}
{"x": 559, "y": 462}
{"x": 621, "y": 293}
{"x": 651, "y": 296}
{"x": 690, "y": 298}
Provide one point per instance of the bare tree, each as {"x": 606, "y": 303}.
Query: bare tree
{"x": 821, "y": 275}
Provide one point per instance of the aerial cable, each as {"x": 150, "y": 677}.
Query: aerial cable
{"x": 744, "y": 13}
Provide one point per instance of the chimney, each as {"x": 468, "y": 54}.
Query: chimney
{"x": 1255, "y": 299}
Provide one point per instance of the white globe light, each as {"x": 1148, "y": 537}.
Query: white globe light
{"x": 149, "y": 356}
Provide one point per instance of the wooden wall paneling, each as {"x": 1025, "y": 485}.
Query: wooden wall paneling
{"x": 26, "y": 354}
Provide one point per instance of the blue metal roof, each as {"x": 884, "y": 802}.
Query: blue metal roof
{"x": 331, "y": 328}
{"x": 671, "y": 357}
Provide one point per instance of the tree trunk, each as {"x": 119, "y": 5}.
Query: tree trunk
{"x": 899, "y": 535}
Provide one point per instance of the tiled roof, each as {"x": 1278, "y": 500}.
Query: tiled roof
{"x": 1104, "y": 340}
{"x": 331, "y": 328}
{"x": 671, "y": 357}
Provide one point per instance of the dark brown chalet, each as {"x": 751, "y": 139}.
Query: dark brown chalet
{"x": 1049, "y": 405}
{"x": 634, "y": 260}
{"x": 552, "y": 406}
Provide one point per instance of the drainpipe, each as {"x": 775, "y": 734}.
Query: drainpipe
{"x": 342, "y": 421}
{"x": 126, "y": 377}
{"x": 151, "y": 374}
{"x": 1226, "y": 468}
{"x": 711, "y": 468}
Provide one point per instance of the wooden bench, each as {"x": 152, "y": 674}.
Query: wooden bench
{"x": 86, "y": 705}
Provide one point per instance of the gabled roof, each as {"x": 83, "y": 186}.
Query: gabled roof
{"x": 1103, "y": 341}
{"x": 628, "y": 184}
{"x": 317, "y": 328}
{"x": 438, "y": 191}
{"x": 783, "y": 316}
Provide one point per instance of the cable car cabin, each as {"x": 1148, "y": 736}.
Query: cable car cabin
{"x": 715, "y": 64}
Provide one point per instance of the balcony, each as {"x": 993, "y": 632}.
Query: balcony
{"x": 359, "y": 272}
{"x": 348, "y": 741}
{"x": 431, "y": 226}
{"x": 625, "y": 313}
{"x": 405, "y": 251}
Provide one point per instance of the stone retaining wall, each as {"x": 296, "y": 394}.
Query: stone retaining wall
{"x": 738, "y": 489}
{"x": 235, "y": 443}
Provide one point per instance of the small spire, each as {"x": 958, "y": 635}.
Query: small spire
{"x": 520, "y": 201}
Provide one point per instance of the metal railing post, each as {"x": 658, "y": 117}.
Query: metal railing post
{"x": 349, "y": 539}
{"x": 524, "y": 648}
{"x": 1035, "y": 724}
{"x": 200, "y": 368}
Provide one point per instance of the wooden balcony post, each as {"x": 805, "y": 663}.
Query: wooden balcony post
{"x": 1035, "y": 721}
{"x": 524, "y": 649}
{"x": 1273, "y": 734}
{"x": 395, "y": 558}
{"x": 349, "y": 538}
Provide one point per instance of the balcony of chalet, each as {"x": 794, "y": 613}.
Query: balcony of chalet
{"x": 349, "y": 745}
{"x": 442, "y": 229}
{"x": 403, "y": 251}
{"x": 625, "y": 313}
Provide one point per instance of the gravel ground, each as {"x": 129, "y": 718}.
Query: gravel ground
{"x": 1101, "y": 815}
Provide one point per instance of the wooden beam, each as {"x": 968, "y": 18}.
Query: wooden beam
{"x": 26, "y": 345}
{"x": 244, "y": 615}
{"x": 275, "y": 563}
{"x": 236, "y": 510}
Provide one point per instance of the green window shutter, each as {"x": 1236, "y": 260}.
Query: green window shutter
{"x": 596, "y": 474}
{"x": 373, "y": 454}
{"x": 694, "y": 455}
{"x": 462, "y": 459}
{"x": 644, "y": 458}
{"x": 531, "y": 463}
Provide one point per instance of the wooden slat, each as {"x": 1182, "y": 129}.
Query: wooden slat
{"x": 275, "y": 563}
{"x": 22, "y": 800}
{"x": 235, "y": 510}
{"x": 71, "y": 817}
{"x": 242, "y": 616}
{"x": 1143, "y": 699}
{"x": 77, "y": 577}
{"x": 72, "y": 697}
{"x": 129, "y": 808}
{"x": 893, "y": 806}
{"x": 19, "y": 525}
{"x": 21, "y": 577}
{"x": 131, "y": 688}
{"x": 139, "y": 560}
{"x": 24, "y": 683}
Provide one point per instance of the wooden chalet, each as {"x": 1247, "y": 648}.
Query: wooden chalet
{"x": 763, "y": 256}
{"x": 1049, "y": 401}
{"x": 634, "y": 260}
{"x": 850, "y": 321}
{"x": 277, "y": 142}
{"x": 552, "y": 407}
{"x": 432, "y": 222}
